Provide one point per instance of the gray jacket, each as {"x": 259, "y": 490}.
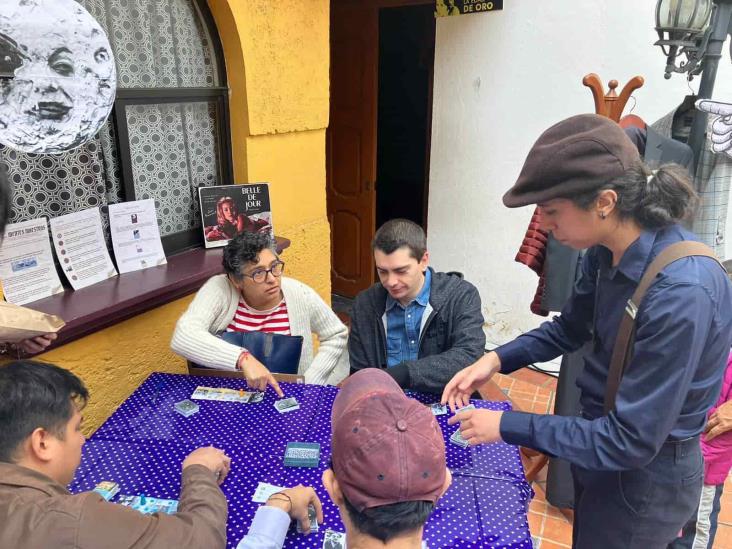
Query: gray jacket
{"x": 451, "y": 337}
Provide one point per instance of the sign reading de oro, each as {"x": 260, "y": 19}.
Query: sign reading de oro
{"x": 445, "y": 8}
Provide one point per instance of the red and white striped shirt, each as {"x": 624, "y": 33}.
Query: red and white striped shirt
{"x": 246, "y": 319}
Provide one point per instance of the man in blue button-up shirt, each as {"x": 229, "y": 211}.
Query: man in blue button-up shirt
{"x": 637, "y": 470}
{"x": 404, "y": 323}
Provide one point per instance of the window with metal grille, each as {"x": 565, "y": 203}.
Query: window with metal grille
{"x": 168, "y": 133}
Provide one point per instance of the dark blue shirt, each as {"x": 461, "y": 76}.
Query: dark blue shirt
{"x": 683, "y": 337}
{"x": 403, "y": 325}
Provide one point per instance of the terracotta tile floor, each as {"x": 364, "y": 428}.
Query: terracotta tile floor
{"x": 534, "y": 392}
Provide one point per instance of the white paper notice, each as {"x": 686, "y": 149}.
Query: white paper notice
{"x": 135, "y": 235}
{"x": 81, "y": 249}
{"x": 26, "y": 263}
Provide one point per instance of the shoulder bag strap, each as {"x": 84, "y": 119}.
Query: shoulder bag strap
{"x": 623, "y": 348}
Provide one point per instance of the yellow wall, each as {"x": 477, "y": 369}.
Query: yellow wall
{"x": 277, "y": 60}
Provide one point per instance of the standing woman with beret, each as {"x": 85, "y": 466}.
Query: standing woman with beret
{"x": 635, "y": 453}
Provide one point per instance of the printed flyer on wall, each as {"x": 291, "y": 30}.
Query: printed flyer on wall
{"x": 81, "y": 249}
{"x": 26, "y": 262}
{"x": 135, "y": 235}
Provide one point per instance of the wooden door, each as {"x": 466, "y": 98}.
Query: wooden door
{"x": 351, "y": 145}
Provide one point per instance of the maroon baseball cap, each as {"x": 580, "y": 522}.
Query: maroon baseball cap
{"x": 386, "y": 447}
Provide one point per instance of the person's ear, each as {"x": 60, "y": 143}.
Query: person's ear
{"x": 448, "y": 482}
{"x": 606, "y": 202}
{"x": 425, "y": 261}
{"x": 332, "y": 487}
{"x": 42, "y": 445}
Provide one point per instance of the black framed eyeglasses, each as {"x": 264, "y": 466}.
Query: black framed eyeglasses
{"x": 260, "y": 275}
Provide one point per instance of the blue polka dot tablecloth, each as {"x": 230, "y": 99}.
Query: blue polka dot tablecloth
{"x": 143, "y": 444}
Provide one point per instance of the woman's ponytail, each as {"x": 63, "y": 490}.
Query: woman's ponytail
{"x": 665, "y": 196}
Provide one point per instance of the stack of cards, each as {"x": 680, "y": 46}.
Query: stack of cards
{"x": 286, "y": 405}
{"x": 186, "y": 407}
{"x": 302, "y": 454}
{"x": 313, "y": 517}
{"x": 264, "y": 490}
{"x": 438, "y": 409}
{"x": 107, "y": 489}
{"x": 148, "y": 505}
{"x": 457, "y": 438}
{"x": 226, "y": 395}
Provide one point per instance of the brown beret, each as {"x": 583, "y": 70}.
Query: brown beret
{"x": 576, "y": 155}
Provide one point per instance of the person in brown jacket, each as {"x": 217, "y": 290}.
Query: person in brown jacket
{"x": 40, "y": 450}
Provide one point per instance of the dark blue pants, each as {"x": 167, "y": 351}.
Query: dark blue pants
{"x": 639, "y": 509}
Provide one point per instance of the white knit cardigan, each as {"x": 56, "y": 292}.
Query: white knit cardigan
{"x": 214, "y": 306}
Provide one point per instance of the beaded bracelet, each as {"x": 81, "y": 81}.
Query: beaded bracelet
{"x": 274, "y": 496}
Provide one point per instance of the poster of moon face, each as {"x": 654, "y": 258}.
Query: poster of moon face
{"x": 57, "y": 75}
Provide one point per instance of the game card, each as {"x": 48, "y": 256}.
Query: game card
{"x": 264, "y": 491}
{"x": 457, "y": 438}
{"x": 465, "y": 408}
{"x": 313, "y": 517}
{"x": 149, "y": 505}
{"x": 256, "y": 397}
{"x": 438, "y": 409}
{"x": 107, "y": 489}
{"x": 334, "y": 540}
{"x": 286, "y": 405}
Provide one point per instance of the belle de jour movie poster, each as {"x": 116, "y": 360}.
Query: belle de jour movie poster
{"x": 228, "y": 210}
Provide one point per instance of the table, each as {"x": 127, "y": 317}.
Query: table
{"x": 142, "y": 445}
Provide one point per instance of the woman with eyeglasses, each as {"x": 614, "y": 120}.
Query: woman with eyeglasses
{"x": 252, "y": 295}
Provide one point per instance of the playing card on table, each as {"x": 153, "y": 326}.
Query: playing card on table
{"x": 457, "y": 438}
{"x": 438, "y": 409}
{"x": 286, "y": 405}
{"x": 264, "y": 490}
{"x": 243, "y": 397}
{"x": 256, "y": 397}
{"x": 201, "y": 393}
{"x": 302, "y": 454}
{"x": 334, "y": 540}
{"x": 149, "y": 505}
{"x": 314, "y": 526}
{"x": 186, "y": 408}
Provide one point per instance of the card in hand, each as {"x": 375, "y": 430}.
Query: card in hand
{"x": 438, "y": 409}
{"x": 457, "y": 438}
{"x": 334, "y": 540}
{"x": 313, "y": 517}
{"x": 465, "y": 408}
{"x": 286, "y": 405}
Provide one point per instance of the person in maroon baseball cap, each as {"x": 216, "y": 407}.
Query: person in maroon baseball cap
{"x": 388, "y": 462}
{"x": 387, "y": 471}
